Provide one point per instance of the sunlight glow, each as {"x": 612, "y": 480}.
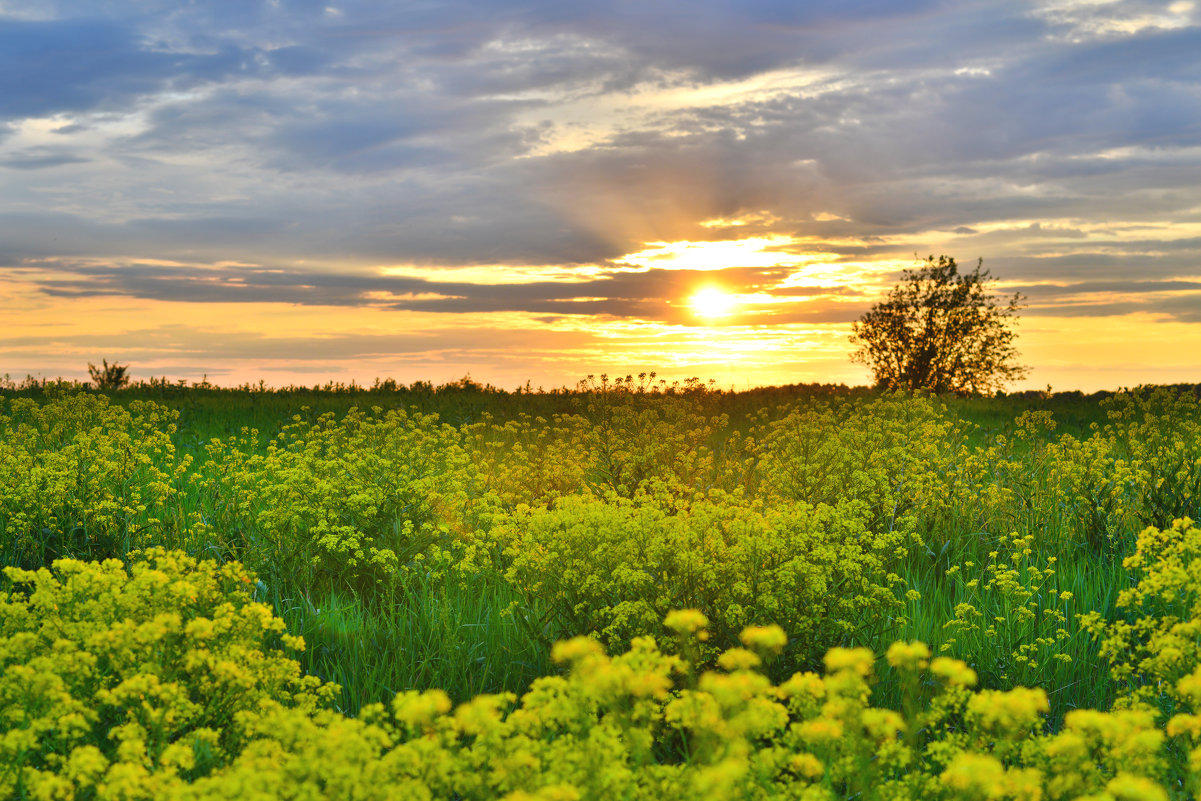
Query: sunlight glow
{"x": 761, "y": 251}
{"x": 712, "y": 302}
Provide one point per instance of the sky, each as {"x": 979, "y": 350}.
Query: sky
{"x": 304, "y": 192}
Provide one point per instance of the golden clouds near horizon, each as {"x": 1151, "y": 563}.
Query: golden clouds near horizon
{"x": 771, "y": 251}
{"x": 761, "y": 274}
{"x": 759, "y": 277}
{"x": 235, "y": 342}
{"x": 737, "y": 304}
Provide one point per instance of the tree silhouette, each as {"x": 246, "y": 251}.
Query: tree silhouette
{"x": 942, "y": 331}
{"x": 111, "y": 376}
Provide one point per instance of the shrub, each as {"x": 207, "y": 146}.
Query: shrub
{"x": 894, "y": 457}
{"x": 1160, "y": 432}
{"x": 1099, "y": 490}
{"x": 343, "y": 502}
{"x": 531, "y": 460}
{"x": 110, "y": 376}
{"x": 616, "y": 567}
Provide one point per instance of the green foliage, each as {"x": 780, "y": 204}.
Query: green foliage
{"x": 940, "y": 330}
{"x": 1014, "y": 617}
{"x": 429, "y": 630}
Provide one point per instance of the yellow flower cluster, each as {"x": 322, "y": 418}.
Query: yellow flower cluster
{"x": 346, "y": 502}
{"x": 1156, "y": 648}
{"x": 85, "y": 478}
{"x": 116, "y": 682}
{"x": 160, "y": 683}
{"x": 617, "y": 566}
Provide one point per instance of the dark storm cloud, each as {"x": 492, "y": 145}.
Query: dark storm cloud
{"x": 364, "y": 134}
{"x": 655, "y": 295}
{"x": 1178, "y": 300}
{"x": 1092, "y": 266}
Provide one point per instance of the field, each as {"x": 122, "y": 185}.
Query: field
{"x": 630, "y": 590}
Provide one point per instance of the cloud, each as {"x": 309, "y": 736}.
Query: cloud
{"x": 185, "y": 342}
{"x": 331, "y": 140}
{"x": 39, "y": 158}
{"x": 53, "y": 66}
{"x": 1119, "y": 287}
{"x": 659, "y": 295}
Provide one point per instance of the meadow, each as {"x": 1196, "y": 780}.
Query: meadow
{"x": 627, "y": 590}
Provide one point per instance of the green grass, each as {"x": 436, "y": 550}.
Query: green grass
{"x": 429, "y": 630}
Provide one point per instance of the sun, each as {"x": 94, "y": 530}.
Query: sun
{"x": 712, "y": 302}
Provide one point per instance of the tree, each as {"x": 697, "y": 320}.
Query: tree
{"x": 111, "y": 376}
{"x": 942, "y": 331}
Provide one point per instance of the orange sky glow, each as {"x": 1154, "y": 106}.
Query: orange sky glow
{"x": 719, "y": 333}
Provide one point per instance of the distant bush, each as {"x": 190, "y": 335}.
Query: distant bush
{"x": 1160, "y": 432}
{"x": 110, "y": 376}
{"x": 531, "y": 460}
{"x": 894, "y": 457}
